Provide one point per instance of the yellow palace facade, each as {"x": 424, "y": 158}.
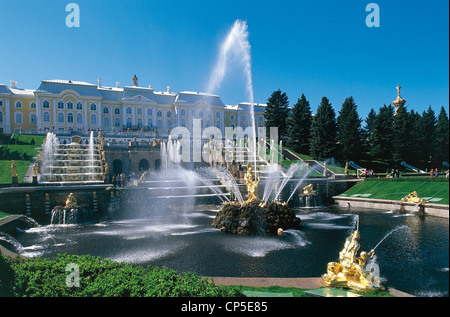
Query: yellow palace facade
{"x": 63, "y": 106}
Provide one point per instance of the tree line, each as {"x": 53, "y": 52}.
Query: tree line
{"x": 390, "y": 136}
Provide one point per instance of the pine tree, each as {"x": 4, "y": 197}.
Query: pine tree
{"x": 349, "y": 131}
{"x": 417, "y": 156}
{"x": 427, "y": 135}
{"x": 323, "y": 132}
{"x": 276, "y": 112}
{"x": 368, "y": 130}
{"x": 382, "y": 134}
{"x": 299, "y": 126}
{"x": 402, "y": 140}
{"x": 441, "y": 140}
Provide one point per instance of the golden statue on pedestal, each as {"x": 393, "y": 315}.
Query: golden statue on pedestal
{"x": 71, "y": 202}
{"x": 252, "y": 180}
{"x": 13, "y": 169}
{"x": 414, "y": 198}
{"x": 350, "y": 271}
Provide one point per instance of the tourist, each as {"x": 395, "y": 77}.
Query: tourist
{"x": 446, "y": 174}
{"x": 397, "y": 173}
{"x": 123, "y": 179}
{"x": 432, "y": 173}
{"x": 119, "y": 180}
{"x": 436, "y": 174}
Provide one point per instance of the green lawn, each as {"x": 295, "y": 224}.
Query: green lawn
{"x": 396, "y": 189}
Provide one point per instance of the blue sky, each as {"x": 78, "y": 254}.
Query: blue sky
{"x": 319, "y": 48}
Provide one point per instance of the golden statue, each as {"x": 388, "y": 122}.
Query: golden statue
{"x": 350, "y": 270}
{"x": 71, "y": 202}
{"x": 156, "y": 142}
{"x": 13, "y": 169}
{"x": 414, "y": 198}
{"x": 309, "y": 191}
{"x": 35, "y": 169}
{"x": 252, "y": 180}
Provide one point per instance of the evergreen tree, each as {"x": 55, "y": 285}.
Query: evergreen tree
{"x": 299, "y": 126}
{"x": 349, "y": 131}
{"x": 402, "y": 141}
{"x": 368, "y": 130}
{"x": 276, "y": 112}
{"x": 441, "y": 138}
{"x": 417, "y": 136}
{"x": 427, "y": 135}
{"x": 323, "y": 132}
{"x": 382, "y": 134}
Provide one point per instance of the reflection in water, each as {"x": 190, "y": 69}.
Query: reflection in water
{"x": 414, "y": 261}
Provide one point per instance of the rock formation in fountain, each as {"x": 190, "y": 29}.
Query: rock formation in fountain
{"x": 254, "y": 217}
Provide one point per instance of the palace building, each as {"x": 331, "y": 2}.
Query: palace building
{"x": 63, "y": 106}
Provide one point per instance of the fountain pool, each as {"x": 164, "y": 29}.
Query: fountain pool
{"x": 414, "y": 261}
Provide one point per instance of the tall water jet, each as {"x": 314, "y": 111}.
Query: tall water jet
{"x": 91, "y": 152}
{"x": 236, "y": 44}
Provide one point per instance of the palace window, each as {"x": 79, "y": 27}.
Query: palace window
{"x": 1, "y": 117}
{"x": 159, "y": 113}
{"x": 129, "y": 125}
{"x": 18, "y": 104}
{"x": 183, "y": 112}
{"x": 46, "y": 104}
{"x": 70, "y": 118}
{"x": 33, "y": 119}
{"x": 183, "y": 123}
{"x": 79, "y": 106}
{"x": 1, "y": 103}
{"x": 60, "y": 105}
{"x": 169, "y": 114}
{"x": 79, "y": 118}
{"x": 218, "y": 124}
{"x": 217, "y": 115}
{"x": 128, "y": 110}
{"x": 117, "y": 122}
{"x": 94, "y": 108}
{"x": 159, "y": 124}
{"x": 70, "y": 105}
{"x": 139, "y": 111}
{"x": 232, "y": 117}
{"x": 200, "y": 114}
{"x": 117, "y": 111}
{"x": 169, "y": 125}
{"x": 150, "y": 112}
{"x": 61, "y": 117}
{"x": 33, "y": 105}
{"x": 105, "y": 110}
{"x": 106, "y": 122}
{"x": 46, "y": 117}
{"x": 139, "y": 123}
{"x": 93, "y": 119}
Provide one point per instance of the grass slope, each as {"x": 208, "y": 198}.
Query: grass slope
{"x": 396, "y": 189}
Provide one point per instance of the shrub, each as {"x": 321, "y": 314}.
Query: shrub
{"x": 100, "y": 277}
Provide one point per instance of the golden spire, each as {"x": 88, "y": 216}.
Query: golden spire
{"x": 399, "y": 101}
